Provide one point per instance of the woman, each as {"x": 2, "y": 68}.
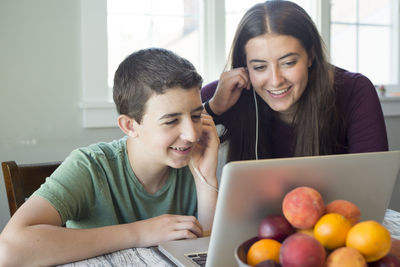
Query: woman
{"x": 281, "y": 97}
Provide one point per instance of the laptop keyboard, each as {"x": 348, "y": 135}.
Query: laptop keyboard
{"x": 198, "y": 258}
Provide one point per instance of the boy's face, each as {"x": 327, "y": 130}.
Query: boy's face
{"x": 171, "y": 127}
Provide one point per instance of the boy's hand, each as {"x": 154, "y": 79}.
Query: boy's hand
{"x": 205, "y": 153}
{"x": 166, "y": 227}
{"x": 203, "y": 166}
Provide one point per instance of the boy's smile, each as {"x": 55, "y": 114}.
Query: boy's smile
{"x": 184, "y": 150}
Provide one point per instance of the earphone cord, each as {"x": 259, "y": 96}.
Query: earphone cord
{"x": 256, "y": 106}
{"x": 202, "y": 177}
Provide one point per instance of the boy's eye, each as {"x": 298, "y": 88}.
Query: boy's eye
{"x": 171, "y": 122}
{"x": 196, "y": 117}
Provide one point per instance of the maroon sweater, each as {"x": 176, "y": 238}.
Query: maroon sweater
{"x": 357, "y": 100}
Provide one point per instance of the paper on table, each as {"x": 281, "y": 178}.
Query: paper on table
{"x": 392, "y": 223}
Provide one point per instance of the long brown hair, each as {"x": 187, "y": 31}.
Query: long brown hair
{"x": 316, "y": 122}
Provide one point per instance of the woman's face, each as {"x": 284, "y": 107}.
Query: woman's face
{"x": 278, "y": 69}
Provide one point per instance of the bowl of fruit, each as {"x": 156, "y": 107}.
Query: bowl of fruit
{"x": 312, "y": 233}
{"x": 242, "y": 250}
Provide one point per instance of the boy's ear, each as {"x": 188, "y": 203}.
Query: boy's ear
{"x": 127, "y": 125}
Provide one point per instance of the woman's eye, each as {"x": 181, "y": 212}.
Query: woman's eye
{"x": 290, "y": 63}
{"x": 259, "y": 68}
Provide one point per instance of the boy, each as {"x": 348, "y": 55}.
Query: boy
{"x": 134, "y": 192}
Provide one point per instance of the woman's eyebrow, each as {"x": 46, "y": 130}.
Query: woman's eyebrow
{"x": 280, "y": 58}
{"x": 288, "y": 55}
{"x": 257, "y": 61}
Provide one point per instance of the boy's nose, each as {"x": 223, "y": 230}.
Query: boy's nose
{"x": 188, "y": 132}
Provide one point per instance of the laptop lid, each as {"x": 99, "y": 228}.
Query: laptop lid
{"x": 250, "y": 190}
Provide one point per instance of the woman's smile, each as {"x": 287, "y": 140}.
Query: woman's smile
{"x": 279, "y": 93}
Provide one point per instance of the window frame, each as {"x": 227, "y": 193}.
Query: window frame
{"x": 395, "y": 45}
{"x": 98, "y": 109}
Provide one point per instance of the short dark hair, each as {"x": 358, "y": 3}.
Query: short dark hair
{"x": 149, "y": 71}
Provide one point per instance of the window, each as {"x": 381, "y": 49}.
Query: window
{"x": 364, "y": 38}
{"x": 175, "y": 25}
{"x": 137, "y": 24}
{"x": 234, "y": 11}
{"x": 202, "y": 31}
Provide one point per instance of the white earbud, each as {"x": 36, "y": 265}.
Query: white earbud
{"x": 256, "y": 107}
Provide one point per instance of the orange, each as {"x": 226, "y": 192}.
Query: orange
{"x": 371, "y": 239}
{"x": 331, "y": 230}
{"x": 262, "y": 250}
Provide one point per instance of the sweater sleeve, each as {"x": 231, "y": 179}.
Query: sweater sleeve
{"x": 207, "y": 92}
{"x": 366, "y": 129}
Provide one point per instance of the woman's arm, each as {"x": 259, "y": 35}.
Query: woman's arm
{"x": 227, "y": 91}
{"x": 366, "y": 129}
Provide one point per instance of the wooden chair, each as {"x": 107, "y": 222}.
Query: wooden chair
{"x": 21, "y": 180}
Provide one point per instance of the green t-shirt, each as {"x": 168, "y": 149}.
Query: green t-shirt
{"x": 95, "y": 186}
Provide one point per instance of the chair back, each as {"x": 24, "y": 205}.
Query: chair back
{"x": 21, "y": 180}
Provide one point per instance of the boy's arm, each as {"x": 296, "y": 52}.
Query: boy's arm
{"x": 204, "y": 165}
{"x": 34, "y": 236}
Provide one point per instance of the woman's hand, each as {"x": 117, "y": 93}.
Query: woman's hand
{"x": 230, "y": 86}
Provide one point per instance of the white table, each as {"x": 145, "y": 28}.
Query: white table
{"x": 152, "y": 257}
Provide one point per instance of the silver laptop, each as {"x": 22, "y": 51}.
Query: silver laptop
{"x": 250, "y": 190}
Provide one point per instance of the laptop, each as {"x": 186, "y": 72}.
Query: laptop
{"x": 250, "y": 190}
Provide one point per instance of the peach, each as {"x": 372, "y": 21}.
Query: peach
{"x": 346, "y": 257}
{"x": 346, "y": 208}
{"x": 302, "y": 207}
{"x": 301, "y": 250}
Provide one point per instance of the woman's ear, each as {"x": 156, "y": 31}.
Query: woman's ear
{"x": 127, "y": 125}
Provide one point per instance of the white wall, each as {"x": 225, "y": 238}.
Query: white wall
{"x": 40, "y": 86}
